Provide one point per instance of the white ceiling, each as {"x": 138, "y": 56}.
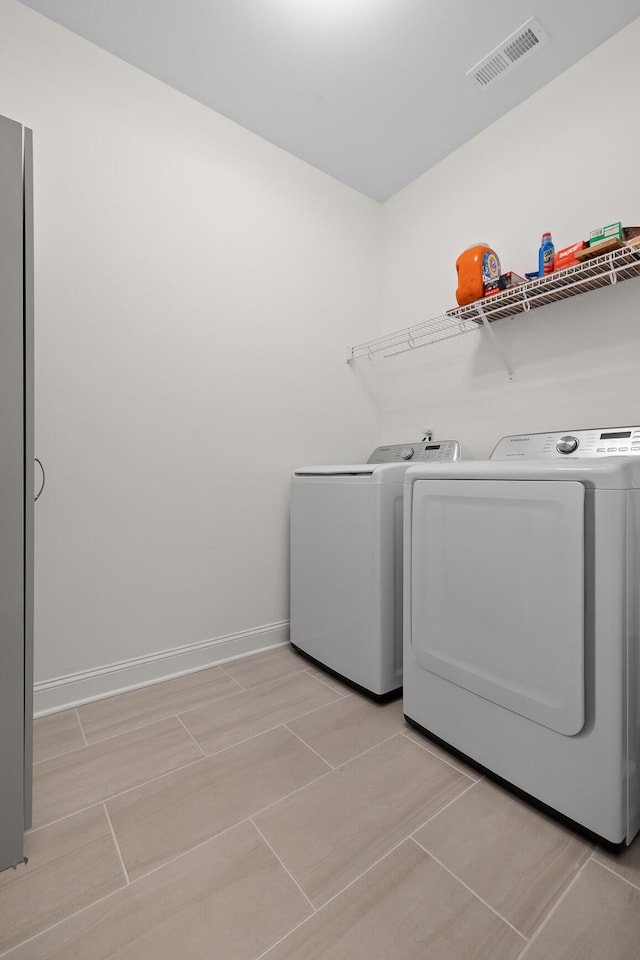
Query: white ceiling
{"x": 373, "y": 92}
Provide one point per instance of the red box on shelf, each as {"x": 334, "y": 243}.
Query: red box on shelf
{"x": 567, "y": 256}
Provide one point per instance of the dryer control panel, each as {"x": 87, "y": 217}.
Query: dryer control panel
{"x": 417, "y": 452}
{"x": 570, "y": 444}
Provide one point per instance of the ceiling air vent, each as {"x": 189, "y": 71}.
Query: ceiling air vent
{"x": 521, "y": 44}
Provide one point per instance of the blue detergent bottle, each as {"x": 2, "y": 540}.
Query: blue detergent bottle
{"x": 546, "y": 255}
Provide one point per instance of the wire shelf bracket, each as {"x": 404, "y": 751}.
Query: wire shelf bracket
{"x": 494, "y": 340}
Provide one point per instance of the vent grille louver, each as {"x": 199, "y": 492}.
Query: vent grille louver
{"x": 520, "y": 44}
{"x": 518, "y": 47}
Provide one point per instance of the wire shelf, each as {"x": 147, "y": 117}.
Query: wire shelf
{"x": 599, "y": 271}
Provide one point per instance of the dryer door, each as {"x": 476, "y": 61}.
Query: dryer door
{"x": 497, "y": 592}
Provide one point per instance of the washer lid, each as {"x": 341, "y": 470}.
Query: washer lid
{"x": 606, "y": 473}
{"x": 376, "y": 472}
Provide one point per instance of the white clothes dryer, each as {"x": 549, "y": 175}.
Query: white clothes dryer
{"x": 522, "y": 618}
{"x": 346, "y": 564}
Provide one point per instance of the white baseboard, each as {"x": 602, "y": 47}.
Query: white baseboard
{"x": 50, "y": 696}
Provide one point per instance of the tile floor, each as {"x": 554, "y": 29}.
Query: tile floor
{"x": 264, "y": 811}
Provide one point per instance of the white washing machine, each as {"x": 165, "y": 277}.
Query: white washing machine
{"x": 346, "y": 564}
{"x": 522, "y": 593}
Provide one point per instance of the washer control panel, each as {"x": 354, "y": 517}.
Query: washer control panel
{"x": 599, "y": 442}
{"x": 419, "y": 452}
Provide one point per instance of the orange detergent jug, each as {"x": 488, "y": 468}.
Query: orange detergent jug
{"x": 476, "y": 266}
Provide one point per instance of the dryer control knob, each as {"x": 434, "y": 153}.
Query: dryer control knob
{"x": 567, "y": 444}
{"x": 406, "y": 453}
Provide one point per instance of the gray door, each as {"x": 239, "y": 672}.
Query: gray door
{"x": 28, "y": 471}
{"x": 12, "y": 496}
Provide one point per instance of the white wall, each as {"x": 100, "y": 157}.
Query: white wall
{"x": 196, "y": 289}
{"x": 565, "y": 160}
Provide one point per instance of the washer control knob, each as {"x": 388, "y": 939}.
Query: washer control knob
{"x": 406, "y": 453}
{"x": 567, "y": 444}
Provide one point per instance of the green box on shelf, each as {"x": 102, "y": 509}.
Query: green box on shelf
{"x": 603, "y": 233}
